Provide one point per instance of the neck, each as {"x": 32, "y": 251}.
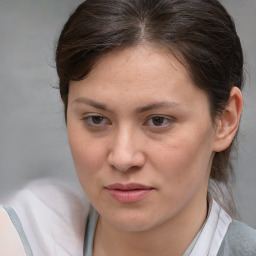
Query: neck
{"x": 170, "y": 238}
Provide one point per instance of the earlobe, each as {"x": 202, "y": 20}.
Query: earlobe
{"x": 228, "y": 123}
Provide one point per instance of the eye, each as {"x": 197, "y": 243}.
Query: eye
{"x": 159, "y": 121}
{"x": 96, "y": 120}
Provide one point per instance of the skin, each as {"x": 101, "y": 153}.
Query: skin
{"x": 127, "y": 142}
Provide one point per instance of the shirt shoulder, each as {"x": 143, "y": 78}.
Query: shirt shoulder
{"x": 240, "y": 240}
{"x": 10, "y": 243}
{"x": 53, "y": 216}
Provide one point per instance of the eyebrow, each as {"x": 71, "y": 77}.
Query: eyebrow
{"x": 158, "y": 105}
{"x": 92, "y": 103}
{"x": 146, "y": 108}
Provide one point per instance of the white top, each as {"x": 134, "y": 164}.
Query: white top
{"x": 53, "y": 218}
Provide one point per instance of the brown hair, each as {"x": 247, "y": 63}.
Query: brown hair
{"x": 199, "y": 33}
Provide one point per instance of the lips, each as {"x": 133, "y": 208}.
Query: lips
{"x": 128, "y": 193}
{"x": 126, "y": 187}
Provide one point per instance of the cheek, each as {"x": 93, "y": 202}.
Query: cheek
{"x": 88, "y": 155}
{"x": 186, "y": 158}
{"x": 88, "y": 160}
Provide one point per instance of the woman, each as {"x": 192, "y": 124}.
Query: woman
{"x": 152, "y": 97}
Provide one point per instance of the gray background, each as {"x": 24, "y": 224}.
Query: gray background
{"x": 33, "y": 139}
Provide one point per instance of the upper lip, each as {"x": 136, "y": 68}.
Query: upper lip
{"x": 129, "y": 186}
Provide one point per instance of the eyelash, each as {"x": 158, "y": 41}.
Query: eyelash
{"x": 166, "y": 121}
{"x": 88, "y": 120}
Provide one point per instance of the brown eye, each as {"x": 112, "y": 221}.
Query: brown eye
{"x": 97, "y": 119}
{"x": 158, "y": 120}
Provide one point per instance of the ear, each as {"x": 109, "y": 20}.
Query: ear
{"x": 227, "y": 124}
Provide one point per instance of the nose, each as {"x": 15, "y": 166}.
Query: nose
{"x": 126, "y": 151}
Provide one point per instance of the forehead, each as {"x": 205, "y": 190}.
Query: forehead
{"x": 140, "y": 73}
{"x": 142, "y": 61}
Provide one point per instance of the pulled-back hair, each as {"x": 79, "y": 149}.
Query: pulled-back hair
{"x": 199, "y": 33}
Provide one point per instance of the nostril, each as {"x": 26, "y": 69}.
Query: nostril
{"x": 126, "y": 162}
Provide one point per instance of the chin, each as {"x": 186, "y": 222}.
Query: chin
{"x": 132, "y": 221}
{"x": 132, "y": 225}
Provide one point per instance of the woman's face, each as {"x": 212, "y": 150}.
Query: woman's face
{"x": 142, "y": 139}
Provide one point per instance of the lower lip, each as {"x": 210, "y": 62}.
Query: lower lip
{"x": 129, "y": 196}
